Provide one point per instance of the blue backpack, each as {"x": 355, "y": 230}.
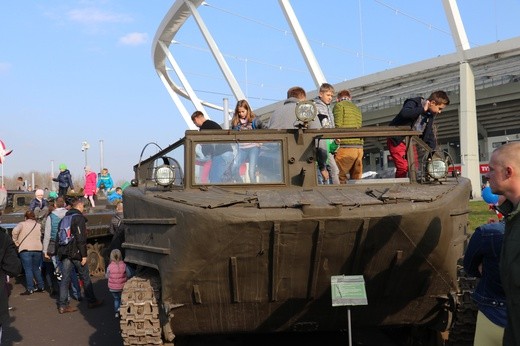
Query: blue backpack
{"x": 65, "y": 236}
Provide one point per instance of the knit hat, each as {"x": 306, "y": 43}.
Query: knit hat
{"x": 63, "y": 166}
{"x": 53, "y": 194}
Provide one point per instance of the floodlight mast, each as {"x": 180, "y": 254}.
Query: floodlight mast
{"x": 84, "y": 148}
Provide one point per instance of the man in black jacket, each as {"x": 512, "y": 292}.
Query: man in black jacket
{"x": 10, "y": 265}
{"x": 419, "y": 114}
{"x": 74, "y": 254}
{"x": 221, "y": 153}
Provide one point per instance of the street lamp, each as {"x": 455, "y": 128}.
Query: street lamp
{"x": 84, "y": 147}
{"x": 101, "y": 164}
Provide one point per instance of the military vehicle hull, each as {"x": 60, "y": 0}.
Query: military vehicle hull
{"x": 259, "y": 258}
{"x": 98, "y": 226}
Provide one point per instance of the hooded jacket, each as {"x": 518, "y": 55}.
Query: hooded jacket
{"x": 51, "y": 226}
{"x": 64, "y": 179}
{"x": 409, "y": 114}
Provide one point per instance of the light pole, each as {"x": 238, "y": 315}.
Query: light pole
{"x": 53, "y": 185}
{"x": 101, "y": 164}
{"x": 84, "y": 147}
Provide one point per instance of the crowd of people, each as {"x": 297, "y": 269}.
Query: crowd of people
{"x": 52, "y": 265}
{"x": 337, "y": 160}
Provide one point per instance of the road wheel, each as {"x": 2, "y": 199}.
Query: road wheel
{"x": 95, "y": 261}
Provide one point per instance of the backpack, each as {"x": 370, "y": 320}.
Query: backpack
{"x": 64, "y": 235}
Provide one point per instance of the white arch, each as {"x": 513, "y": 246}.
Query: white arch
{"x": 161, "y": 52}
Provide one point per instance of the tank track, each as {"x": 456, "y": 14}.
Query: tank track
{"x": 463, "y": 330}
{"x": 140, "y": 324}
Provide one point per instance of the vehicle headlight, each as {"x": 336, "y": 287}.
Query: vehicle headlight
{"x": 306, "y": 111}
{"x": 437, "y": 169}
{"x": 164, "y": 175}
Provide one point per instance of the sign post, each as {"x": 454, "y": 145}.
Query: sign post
{"x": 347, "y": 291}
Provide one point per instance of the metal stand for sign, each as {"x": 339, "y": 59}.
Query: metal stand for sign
{"x": 349, "y": 328}
{"x": 348, "y": 291}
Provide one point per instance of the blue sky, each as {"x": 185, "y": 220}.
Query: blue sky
{"x": 74, "y": 71}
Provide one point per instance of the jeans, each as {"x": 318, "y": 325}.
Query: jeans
{"x": 31, "y": 265}
{"x": 67, "y": 266}
{"x": 117, "y": 300}
{"x": 243, "y": 155}
{"x": 333, "y": 169}
{"x": 62, "y": 191}
{"x": 74, "y": 282}
{"x": 50, "y": 278}
{"x": 220, "y": 168}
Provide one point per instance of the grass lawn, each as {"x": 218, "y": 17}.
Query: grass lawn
{"x": 479, "y": 214}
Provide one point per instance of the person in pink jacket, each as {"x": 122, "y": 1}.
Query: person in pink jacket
{"x": 117, "y": 273}
{"x": 90, "y": 185}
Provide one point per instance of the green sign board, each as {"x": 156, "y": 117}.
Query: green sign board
{"x": 348, "y": 290}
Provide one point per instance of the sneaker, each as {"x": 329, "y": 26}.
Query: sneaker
{"x": 57, "y": 273}
{"x": 95, "y": 304}
{"x": 27, "y": 293}
{"x": 40, "y": 290}
{"x": 66, "y": 309}
{"x": 117, "y": 315}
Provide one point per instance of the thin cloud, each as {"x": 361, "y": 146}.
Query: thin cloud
{"x": 134, "y": 39}
{"x": 94, "y": 15}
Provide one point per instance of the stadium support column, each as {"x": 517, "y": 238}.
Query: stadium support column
{"x": 468, "y": 109}
{"x": 468, "y": 129}
{"x": 305, "y": 48}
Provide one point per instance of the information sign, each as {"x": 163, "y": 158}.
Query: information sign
{"x": 348, "y": 290}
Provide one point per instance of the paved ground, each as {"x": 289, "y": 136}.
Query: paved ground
{"x": 35, "y": 320}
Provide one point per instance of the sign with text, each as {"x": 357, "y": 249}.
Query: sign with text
{"x": 348, "y": 290}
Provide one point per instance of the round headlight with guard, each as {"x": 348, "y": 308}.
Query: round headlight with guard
{"x": 164, "y": 175}
{"x": 437, "y": 169}
{"x": 306, "y": 111}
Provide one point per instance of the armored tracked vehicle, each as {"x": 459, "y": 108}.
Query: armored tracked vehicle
{"x": 257, "y": 255}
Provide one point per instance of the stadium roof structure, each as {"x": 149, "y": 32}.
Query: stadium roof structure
{"x": 496, "y": 68}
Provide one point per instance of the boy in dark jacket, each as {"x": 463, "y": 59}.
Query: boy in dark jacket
{"x": 419, "y": 114}
{"x": 64, "y": 180}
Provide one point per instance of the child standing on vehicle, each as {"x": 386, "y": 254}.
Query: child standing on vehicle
{"x": 64, "y": 180}
{"x": 90, "y": 185}
{"x": 244, "y": 119}
{"x": 117, "y": 274}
